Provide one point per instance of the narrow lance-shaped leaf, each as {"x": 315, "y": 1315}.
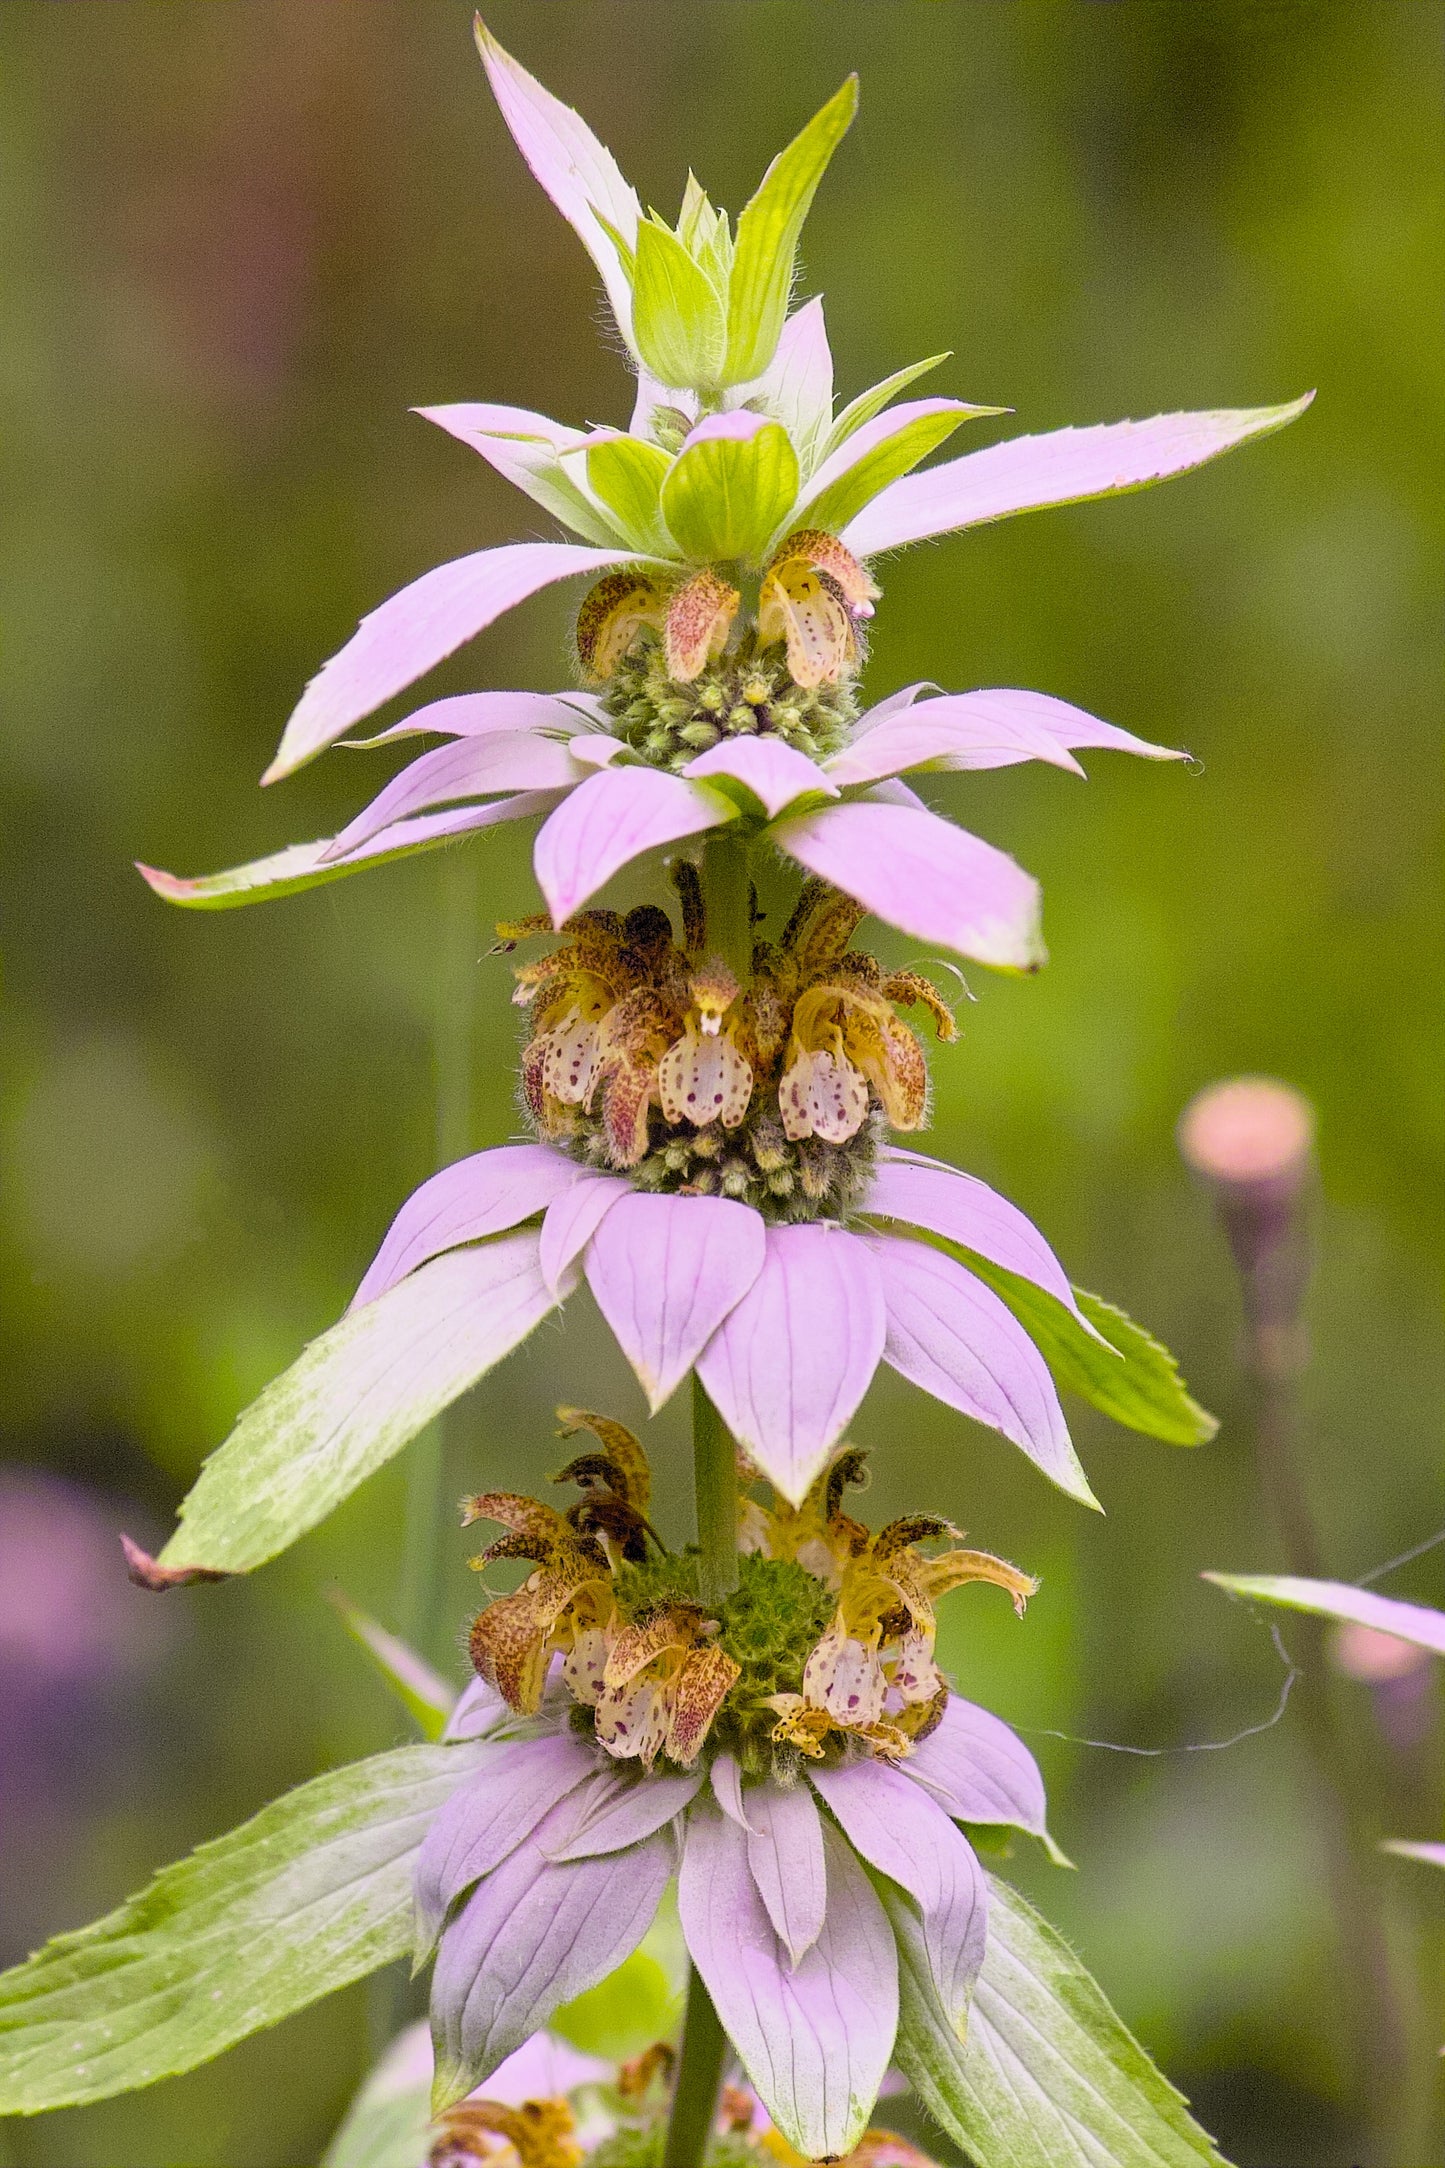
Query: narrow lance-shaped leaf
{"x": 312, "y": 1893}
{"x": 1144, "y": 1391}
{"x": 768, "y": 230}
{"x": 355, "y": 1397}
{"x": 1047, "y": 2072}
{"x": 1413, "y": 1622}
{"x": 422, "y": 1691}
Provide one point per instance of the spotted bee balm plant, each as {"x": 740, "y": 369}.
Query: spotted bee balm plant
{"x": 714, "y": 1090}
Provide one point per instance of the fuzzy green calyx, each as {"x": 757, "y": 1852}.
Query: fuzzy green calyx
{"x": 756, "y": 1164}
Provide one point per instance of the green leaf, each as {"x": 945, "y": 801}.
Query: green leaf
{"x": 767, "y": 242}
{"x": 726, "y": 495}
{"x": 423, "y": 1691}
{"x": 1047, "y": 2072}
{"x": 884, "y": 463}
{"x": 284, "y": 873}
{"x": 677, "y": 312}
{"x": 312, "y": 1893}
{"x": 355, "y": 1397}
{"x": 704, "y": 233}
{"x": 1144, "y": 1391}
{"x": 628, "y": 474}
{"x": 868, "y": 403}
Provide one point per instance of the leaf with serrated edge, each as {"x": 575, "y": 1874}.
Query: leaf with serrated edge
{"x": 1144, "y": 1390}
{"x": 354, "y": 1398}
{"x": 312, "y": 1893}
{"x": 1047, "y": 2072}
{"x": 422, "y": 1691}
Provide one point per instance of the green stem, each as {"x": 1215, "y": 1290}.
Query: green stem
{"x": 428, "y": 1482}
{"x": 727, "y": 894}
{"x": 715, "y": 1485}
{"x": 453, "y": 1024}
{"x": 699, "y": 2080}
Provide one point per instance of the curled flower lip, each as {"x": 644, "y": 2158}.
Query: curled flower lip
{"x": 846, "y": 817}
{"x": 545, "y": 1867}
{"x": 785, "y": 1325}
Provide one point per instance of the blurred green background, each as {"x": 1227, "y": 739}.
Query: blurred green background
{"x": 238, "y": 243}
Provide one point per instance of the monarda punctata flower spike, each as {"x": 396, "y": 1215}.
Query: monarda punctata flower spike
{"x": 779, "y": 1751}
{"x": 727, "y": 534}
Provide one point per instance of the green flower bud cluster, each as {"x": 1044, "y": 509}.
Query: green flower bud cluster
{"x": 747, "y": 693}
{"x": 754, "y": 1163}
{"x": 769, "y": 1626}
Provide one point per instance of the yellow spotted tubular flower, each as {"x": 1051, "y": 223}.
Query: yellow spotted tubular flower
{"x": 640, "y": 1045}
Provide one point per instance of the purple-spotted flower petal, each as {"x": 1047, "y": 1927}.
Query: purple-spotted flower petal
{"x": 788, "y": 1368}
{"x": 666, "y": 1272}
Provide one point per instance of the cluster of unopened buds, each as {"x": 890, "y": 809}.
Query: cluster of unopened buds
{"x": 826, "y": 1646}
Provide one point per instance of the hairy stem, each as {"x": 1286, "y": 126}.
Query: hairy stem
{"x": 715, "y": 1484}
{"x": 699, "y": 2080}
{"x": 727, "y": 894}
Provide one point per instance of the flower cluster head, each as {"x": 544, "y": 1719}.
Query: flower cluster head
{"x": 825, "y": 1645}
{"x": 791, "y": 1751}
{"x": 652, "y": 1056}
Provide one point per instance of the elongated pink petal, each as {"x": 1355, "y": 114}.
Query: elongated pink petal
{"x": 796, "y": 388}
{"x": 1063, "y": 467}
{"x": 419, "y": 627}
{"x": 979, "y": 1770}
{"x": 924, "y": 876}
{"x": 928, "y": 1194}
{"x": 875, "y": 455}
{"x": 573, "y": 1218}
{"x": 629, "y": 1812}
{"x": 951, "y": 1335}
{"x": 785, "y": 1853}
{"x": 894, "y": 704}
{"x": 727, "y": 1786}
{"x": 769, "y": 771}
{"x": 814, "y": 2039}
{"x": 1415, "y": 1622}
{"x": 906, "y": 1835}
{"x": 482, "y": 1195}
{"x": 476, "y": 715}
{"x": 611, "y": 819}
{"x": 476, "y": 421}
{"x": 489, "y": 1816}
{"x": 577, "y": 171}
{"x": 532, "y": 1935}
{"x": 963, "y": 730}
{"x": 509, "y": 760}
{"x": 788, "y": 1368}
{"x": 666, "y": 1271}
{"x": 306, "y": 865}
{"x": 1431, "y": 1855}
{"x": 479, "y": 1709}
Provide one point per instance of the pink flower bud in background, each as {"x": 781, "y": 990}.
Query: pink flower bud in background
{"x": 1252, "y": 1140}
